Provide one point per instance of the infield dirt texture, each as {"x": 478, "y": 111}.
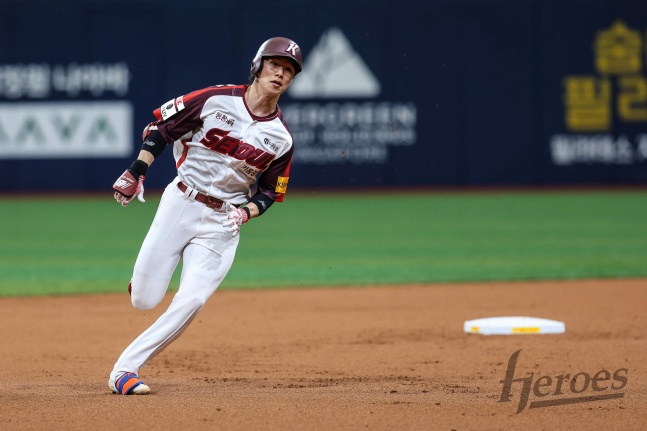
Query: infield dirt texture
{"x": 378, "y": 358}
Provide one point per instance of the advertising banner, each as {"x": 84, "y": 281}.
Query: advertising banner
{"x": 425, "y": 94}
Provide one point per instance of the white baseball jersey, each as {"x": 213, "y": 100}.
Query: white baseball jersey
{"x": 220, "y": 147}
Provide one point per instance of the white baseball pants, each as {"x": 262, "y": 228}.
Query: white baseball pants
{"x": 187, "y": 229}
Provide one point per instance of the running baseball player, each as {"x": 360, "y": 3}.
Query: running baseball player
{"x": 226, "y": 139}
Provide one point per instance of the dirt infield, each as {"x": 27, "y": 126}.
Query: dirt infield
{"x": 345, "y": 358}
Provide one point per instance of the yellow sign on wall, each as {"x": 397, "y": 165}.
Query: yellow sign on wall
{"x": 589, "y": 100}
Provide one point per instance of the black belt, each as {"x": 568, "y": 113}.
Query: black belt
{"x": 209, "y": 201}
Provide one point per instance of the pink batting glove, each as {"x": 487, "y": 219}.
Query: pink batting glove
{"x": 127, "y": 187}
{"x": 236, "y": 218}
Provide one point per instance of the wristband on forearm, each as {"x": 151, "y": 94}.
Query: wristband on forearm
{"x": 262, "y": 201}
{"x": 154, "y": 143}
{"x": 138, "y": 168}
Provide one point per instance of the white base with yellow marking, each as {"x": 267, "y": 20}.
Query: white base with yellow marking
{"x": 513, "y": 325}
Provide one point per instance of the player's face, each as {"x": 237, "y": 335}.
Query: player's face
{"x": 277, "y": 74}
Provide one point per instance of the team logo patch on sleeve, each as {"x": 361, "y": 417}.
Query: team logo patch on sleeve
{"x": 281, "y": 185}
{"x": 172, "y": 107}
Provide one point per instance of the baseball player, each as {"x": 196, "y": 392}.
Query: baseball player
{"x": 226, "y": 139}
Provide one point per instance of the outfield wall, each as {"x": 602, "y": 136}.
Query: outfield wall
{"x": 424, "y": 93}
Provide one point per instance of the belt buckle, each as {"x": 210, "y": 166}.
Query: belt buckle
{"x": 214, "y": 202}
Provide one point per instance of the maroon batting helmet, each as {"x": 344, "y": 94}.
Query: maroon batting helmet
{"x": 277, "y": 47}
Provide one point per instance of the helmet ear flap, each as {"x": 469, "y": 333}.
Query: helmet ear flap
{"x": 255, "y": 69}
{"x": 257, "y": 62}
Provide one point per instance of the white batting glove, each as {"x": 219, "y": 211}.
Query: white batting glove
{"x": 127, "y": 187}
{"x": 235, "y": 219}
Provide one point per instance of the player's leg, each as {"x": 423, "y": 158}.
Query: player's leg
{"x": 202, "y": 272}
{"x": 173, "y": 227}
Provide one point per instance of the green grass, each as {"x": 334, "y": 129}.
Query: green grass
{"x": 68, "y": 245}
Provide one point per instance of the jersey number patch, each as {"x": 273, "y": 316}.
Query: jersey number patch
{"x": 218, "y": 140}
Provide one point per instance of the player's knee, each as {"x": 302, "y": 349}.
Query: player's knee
{"x": 142, "y": 299}
{"x": 140, "y": 303}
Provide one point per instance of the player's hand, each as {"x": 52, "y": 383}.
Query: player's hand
{"x": 235, "y": 219}
{"x": 127, "y": 187}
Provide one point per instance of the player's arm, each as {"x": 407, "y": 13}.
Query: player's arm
{"x": 131, "y": 182}
{"x": 174, "y": 119}
{"x": 272, "y": 185}
{"x": 154, "y": 144}
{"x": 258, "y": 204}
